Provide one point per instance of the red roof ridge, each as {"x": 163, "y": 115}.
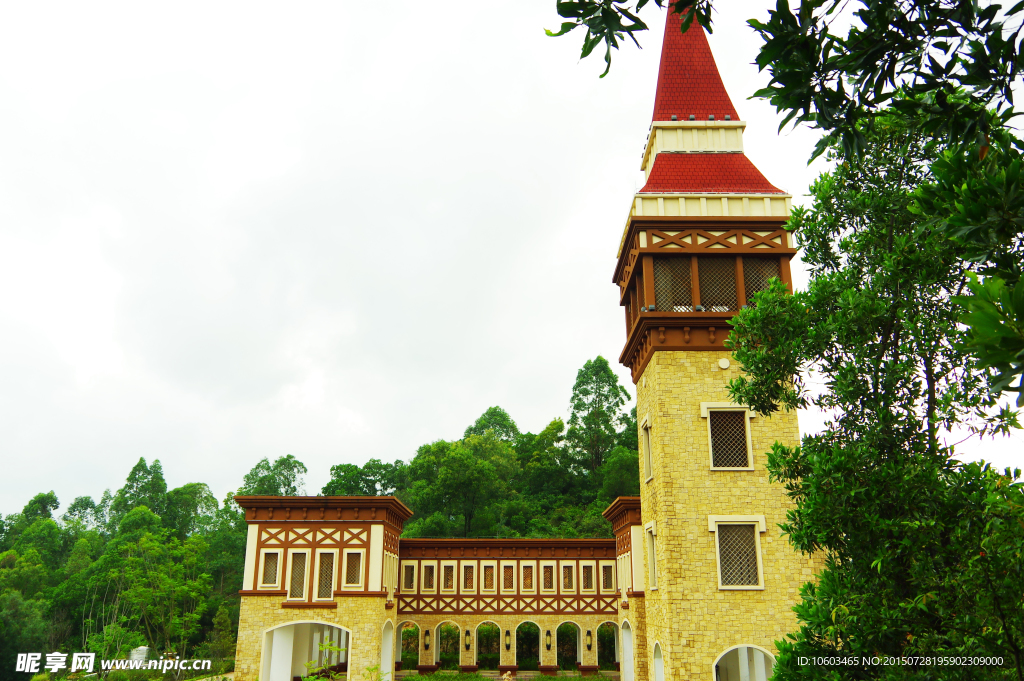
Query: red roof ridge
{"x": 688, "y": 79}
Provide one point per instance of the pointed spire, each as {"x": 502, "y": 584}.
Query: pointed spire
{"x": 688, "y": 78}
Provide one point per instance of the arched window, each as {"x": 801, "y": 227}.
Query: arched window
{"x": 659, "y": 663}
{"x": 744, "y": 662}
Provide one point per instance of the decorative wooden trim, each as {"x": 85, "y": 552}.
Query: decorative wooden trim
{"x": 261, "y": 592}
{"x": 361, "y": 593}
{"x": 634, "y": 594}
{"x": 332, "y": 605}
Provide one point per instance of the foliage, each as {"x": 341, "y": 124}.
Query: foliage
{"x": 498, "y": 420}
{"x": 596, "y": 411}
{"x": 922, "y": 553}
{"x": 283, "y": 478}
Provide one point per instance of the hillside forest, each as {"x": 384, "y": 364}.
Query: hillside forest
{"x": 145, "y": 565}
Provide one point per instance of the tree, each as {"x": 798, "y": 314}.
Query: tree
{"x": 922, "y": 553}
{"x": 222, "y": 639}
{"x": 190, "y": 509}
{"x": 42, "y": 506}
{"x": 951, "y": 66}
{"x": 283, "y": 478}
{"x": 498, "y": 420}
{"x": 595, "y": 411}
{"x": 375, "y": 478}
{"x": 145, "y": 487}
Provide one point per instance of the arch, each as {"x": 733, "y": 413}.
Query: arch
{"x": 489, "y": 646}
{"x": 606, "y": 638}
{"x": 659, "y": 663}
{"x": 570, "y": 653}
{"x": 626, "y": 665}
{"x": 408, "y": 644}
{"x": 387, "y": 651}
{"x": 744, "y": 661}
{"x": 446, "y": 651}
{"x": 287, "y": 648}
{"x": 527, "y": 646}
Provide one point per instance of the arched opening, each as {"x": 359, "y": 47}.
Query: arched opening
{"x": 488, "y": 637}
{"x": 528, "y": 647}
{"x": 304, "y": 649}
{"x": 626, "y": 666}
{"x": 446, "y": 646}
{"x": 607, "y": 646}
{"x": 409, "y": 657}
{"x": 659, "y": 663}
{"x": 387, "y": 652}
{"x": 744, "y": 662}
{"x": 569, "y": 643}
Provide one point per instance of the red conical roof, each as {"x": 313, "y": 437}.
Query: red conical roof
{"x": 706, "y": 173}
{"x": 688, "y": 78}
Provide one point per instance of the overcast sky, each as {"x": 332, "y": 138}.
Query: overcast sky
{"x": 333, "y": 230}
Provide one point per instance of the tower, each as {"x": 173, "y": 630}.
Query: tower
{"x": 715, "y": 580}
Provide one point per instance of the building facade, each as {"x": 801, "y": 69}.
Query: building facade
{"x": 697, "y": 582}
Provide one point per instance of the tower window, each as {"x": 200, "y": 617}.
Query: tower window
{"x": 717, "y": 277}
{"x": 757, "y": 272}
{"x": 467, "y": 577}
{"x": 297, "y": 584}
{"x": 353, "y": 568}
{"x": 737, "y": 555}
{"x": 410, "y": 578}
{"x": 325, "y": 586}
{"x": 672, "y": 289}
{"x": 728, "y": 433}
{"x": 270, "y": 568}
{"x": 646, "y": 444}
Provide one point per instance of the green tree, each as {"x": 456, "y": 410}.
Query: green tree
{"x": 190, "y": 508}
{"x": 620, "y": 474}
{"x": 145, "y": 487}
{"x": 222, "y": 638}
{"x": 283, "y": 478}
{"x": 42, "y": 506}
{"x": 498, "y": 420}
{"x": 23, "y": 625}
{"x": 923, "y": 553}
{"x": 595, "y": 411}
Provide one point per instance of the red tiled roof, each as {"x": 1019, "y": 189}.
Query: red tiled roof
{"x": 698, "y": 173}
{"x": 688, "y": 78}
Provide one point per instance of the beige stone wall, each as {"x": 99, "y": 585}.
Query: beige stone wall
{"x": 364, "y": 618}
{"x": 688, "y": 615}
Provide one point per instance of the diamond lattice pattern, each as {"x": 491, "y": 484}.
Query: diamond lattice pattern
{"x": 672, "y": 289}
{"x": 507, "y": 577}
{"x": 606, "y": 577}
{"x": 717, "y": 284}
{"x": 295, "y": 589}
{"x": 326, "y": 584}
{"x": 567, "y": 578}
{"x": 527, "y": 576}
{"x": 728, "y": 439}
{"x": 449, "y": 577}
{"x": 757, "y": 272}
{"x": 354, "y": 568}
{"x": 737, "y": 555}
{"x": 549, "y": 577}
{"x": 410, "y": 578}
{"x": 270, "y": 568}
{"x": 488, "y": 576}
{"x": 467, "y": 577}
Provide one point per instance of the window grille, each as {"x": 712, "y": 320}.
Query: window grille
{"x": 588, "y": 576}
{"x": 449, "y": 577}
{"x": 410, "y": 578}
{"x": 672, "y": 289}
{"x": 528, "y": 577}
{"x": 728, "y": 439}
{"x": 717, "y": 284}
{"x": 428, "y": 576}
{"x": 567, "y": 578}
{"x": 549, "y": 576}
{"x": 270, "y": 568}
{"x": 325, "y": 589}
{"x": 467, "y": 577}
{"x": 757, "y": 272}
{"x": 607, "y": 577}
{"x": 737, "y": 555}
{"x": 488, "y": 576}
{"x": 507, "y": 577}
{"x": 353, "y": 570}
{"x": 298, "y": 582}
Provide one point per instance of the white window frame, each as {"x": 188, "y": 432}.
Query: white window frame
{"x": 334, "y": 577}
{"x": 305, "y": 583}
{"x": 575, "y": 576}
{"x": 536, "y": 577}
{"x": 362, "y": 570}
{"x": 650, "y": 538}
{"x": 415, "y": 576}
{"x": 553, "y": 564}
{"x": 761, "y": 526}
{"x": 705, "y": 409}
{"x": 601, "y": 564}
{"x": 497, "y": 576}
{"x": 645, "y": 444}
{"x": 276, "y": 586}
